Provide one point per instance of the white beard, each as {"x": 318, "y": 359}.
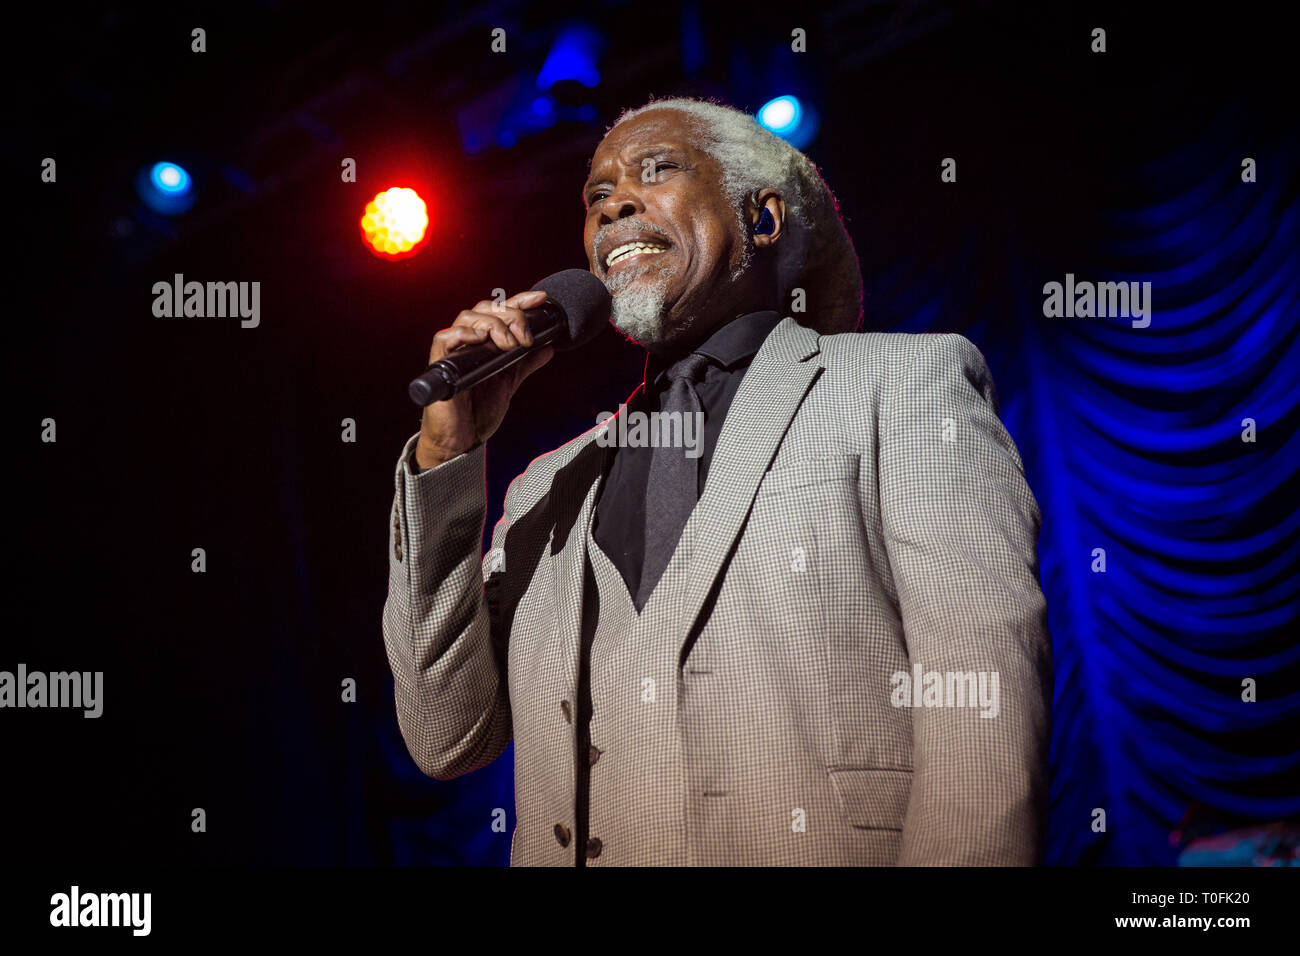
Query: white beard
{"x": 639, "y": 307}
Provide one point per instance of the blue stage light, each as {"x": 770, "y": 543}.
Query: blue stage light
{"x": 793, "y": 120}
{"x": 782, "y": 115}
{"x": 169, "y": 178}
{"x": 572, "y": 56}
{"x": 166, "y": 188}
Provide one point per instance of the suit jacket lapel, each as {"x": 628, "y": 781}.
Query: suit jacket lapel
{"x": 768, "y": 397}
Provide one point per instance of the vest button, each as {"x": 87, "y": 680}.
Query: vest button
{"x": 593, "y": 848}
{"x": 593, "y": 754}
{"x": 568, "y": 712}
{"x": 561, "y": 834}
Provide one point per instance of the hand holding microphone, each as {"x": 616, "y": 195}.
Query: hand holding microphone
{"x": 476, "y": 365}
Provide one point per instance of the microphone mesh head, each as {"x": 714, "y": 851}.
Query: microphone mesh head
{"x": 585, "y": 301}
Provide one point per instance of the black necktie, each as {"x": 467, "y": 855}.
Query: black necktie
{"x": 673, "y": 485}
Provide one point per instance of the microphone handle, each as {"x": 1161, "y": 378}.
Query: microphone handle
{"x": 468, "y": 365}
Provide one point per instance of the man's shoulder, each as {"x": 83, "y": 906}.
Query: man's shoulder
{"x": 884, "y": 363}
{"x": 897, "y": 352}
{"x": 869, "y": 367}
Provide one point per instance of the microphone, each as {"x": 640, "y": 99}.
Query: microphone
{"x": 576, "y": 309}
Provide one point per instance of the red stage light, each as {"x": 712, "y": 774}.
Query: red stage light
{"x": 396, "y": 223}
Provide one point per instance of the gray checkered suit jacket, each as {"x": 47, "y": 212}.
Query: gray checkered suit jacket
{"x": 866, "y": 520}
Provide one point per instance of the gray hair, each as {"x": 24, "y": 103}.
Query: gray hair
{"x": 815, "y": 252}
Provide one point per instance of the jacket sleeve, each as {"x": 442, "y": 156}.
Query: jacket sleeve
{"x": 447, "y": 658}
{"x": 961, "y": 528}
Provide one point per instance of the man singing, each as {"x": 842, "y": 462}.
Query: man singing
{"x": 817, "y": 637}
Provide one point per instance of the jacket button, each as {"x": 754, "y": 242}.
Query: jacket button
{"x": 397, "y": 550}
{"x": 593, "y": 754}
{"x": 561, "y": 834}
{"x": 593, "y": 848}
{"x": 568, "y": 712}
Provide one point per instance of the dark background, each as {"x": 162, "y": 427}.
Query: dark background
{"x": 223, "y": 689}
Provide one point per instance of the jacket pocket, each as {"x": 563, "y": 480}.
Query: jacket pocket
{"x": 806, "y": 472}
{"x": 872, "y": 799}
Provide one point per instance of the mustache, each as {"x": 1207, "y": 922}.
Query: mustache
{"x": 630, "y": 225}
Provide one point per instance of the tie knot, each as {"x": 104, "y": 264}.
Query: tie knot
{"x": 690, "y": 368}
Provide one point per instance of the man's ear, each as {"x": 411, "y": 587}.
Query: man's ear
{"x": 769, "y": 201}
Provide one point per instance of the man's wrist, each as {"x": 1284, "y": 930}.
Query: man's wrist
{"x": 426, "y": 456}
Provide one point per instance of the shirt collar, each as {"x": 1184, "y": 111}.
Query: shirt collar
{"x": 733, "y": 343}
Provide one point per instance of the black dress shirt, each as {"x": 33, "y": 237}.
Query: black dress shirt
{"x": 620, "y": 513}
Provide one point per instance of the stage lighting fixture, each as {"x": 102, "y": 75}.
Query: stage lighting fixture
{"x": 395, "y": 223}
{"x": 166, "y": 188}
{"x": 781, "y": 115}
{"x": 793, "y": 120}
{"x": 573, "y": 56}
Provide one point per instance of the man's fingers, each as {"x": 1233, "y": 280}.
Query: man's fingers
{"x": 509, "y": 320}
{"x": 526, "y": 300}
{"x": 493, "y": 325}
{"x": 454, "y": 337}
{"x": 517, "y": 323}
{"x": 503, "y": 324}
{"x": 516, "y": 305}
{"x": 500, "y": 333}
